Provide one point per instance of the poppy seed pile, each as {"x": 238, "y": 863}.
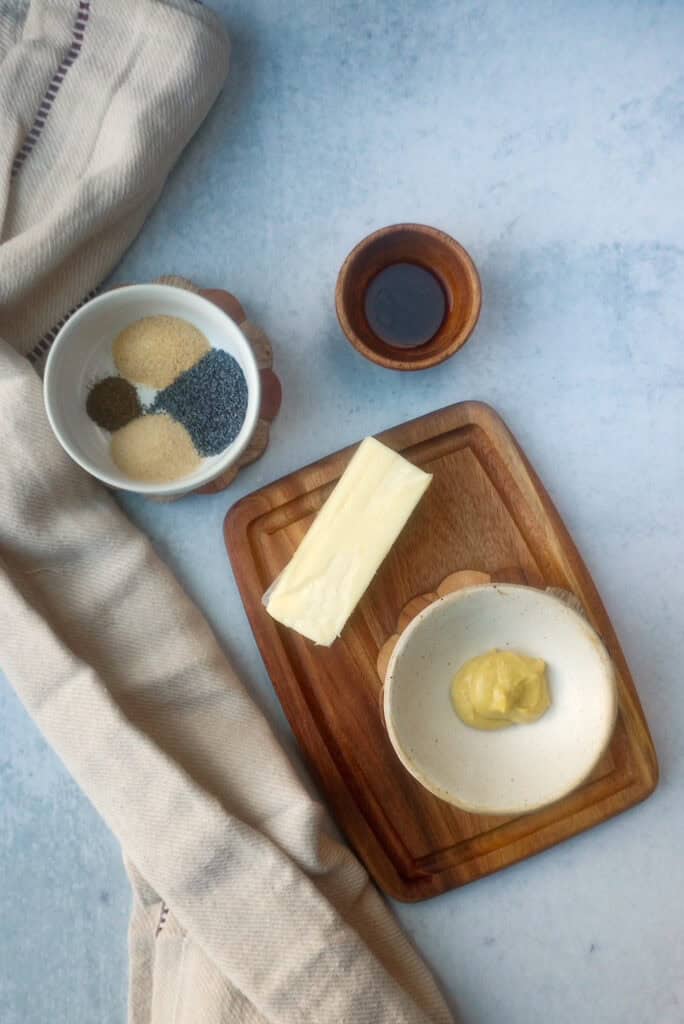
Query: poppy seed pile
{"x": 198, "y": 409}
{"x": 210, "y": 400}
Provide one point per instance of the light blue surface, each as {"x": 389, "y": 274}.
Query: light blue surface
{"x": 548, "y": 139}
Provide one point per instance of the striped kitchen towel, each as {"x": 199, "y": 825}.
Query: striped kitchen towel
{"x": 247, "y": 908}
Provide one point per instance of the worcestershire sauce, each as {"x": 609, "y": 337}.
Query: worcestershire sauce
{"x": 405, "y": 305}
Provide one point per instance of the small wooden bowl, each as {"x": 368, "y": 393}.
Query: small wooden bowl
{"x": 435, "y": 251}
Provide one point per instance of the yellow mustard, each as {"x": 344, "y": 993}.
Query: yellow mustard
{"x": 500, "y": 688}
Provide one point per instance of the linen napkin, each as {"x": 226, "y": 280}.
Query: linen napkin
{"x": 246, "y": 906}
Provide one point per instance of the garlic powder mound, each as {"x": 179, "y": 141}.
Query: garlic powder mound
{"x": 156, "y": 350}
{"x": 154, "y": 449}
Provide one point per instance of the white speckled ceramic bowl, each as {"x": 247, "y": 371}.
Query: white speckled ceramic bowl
{"x": 82, "y": 354}
{"x": 514, "y": 770}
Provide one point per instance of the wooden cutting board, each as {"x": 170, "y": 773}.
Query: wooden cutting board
{"x": 485, "y": 510}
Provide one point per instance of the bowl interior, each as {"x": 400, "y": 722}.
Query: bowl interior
{"x": 511, "y": 770}
{"x": 82, "y": 355}
{"x": 436, "y": 252}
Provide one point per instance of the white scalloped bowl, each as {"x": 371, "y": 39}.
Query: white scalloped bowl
{"x": 514, "y": 770}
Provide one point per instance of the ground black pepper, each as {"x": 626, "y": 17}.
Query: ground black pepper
{"x": 112, "y": 403}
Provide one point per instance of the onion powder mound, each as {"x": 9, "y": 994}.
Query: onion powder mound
{"x": 156, "y": 350}
{"x": 210, "y": 400}
{"x": 154, "y": 449}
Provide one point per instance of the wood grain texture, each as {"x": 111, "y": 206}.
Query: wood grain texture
{"x": 487, "y": 512}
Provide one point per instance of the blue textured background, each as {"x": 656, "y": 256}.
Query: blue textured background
{"x": 548, "y": 138}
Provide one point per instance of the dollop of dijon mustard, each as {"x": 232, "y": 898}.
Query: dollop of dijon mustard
{"x": 500, "y": 688}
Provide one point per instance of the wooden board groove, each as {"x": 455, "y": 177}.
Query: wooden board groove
{"x": 485, "y": 510}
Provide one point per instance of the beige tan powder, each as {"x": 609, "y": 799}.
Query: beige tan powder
{"x": 157, "y": 349}
{"x": 155, "y": 449}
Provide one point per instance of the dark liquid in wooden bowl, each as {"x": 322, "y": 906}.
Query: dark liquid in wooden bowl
{"x": 405, "y": 305}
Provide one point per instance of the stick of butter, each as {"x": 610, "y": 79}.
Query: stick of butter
{"x": 319, "y": 588}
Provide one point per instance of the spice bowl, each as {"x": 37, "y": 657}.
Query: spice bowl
{"x": 82, "y": 355}
{"x": 437, "y": 294}
{"x": 523, "y": 767}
